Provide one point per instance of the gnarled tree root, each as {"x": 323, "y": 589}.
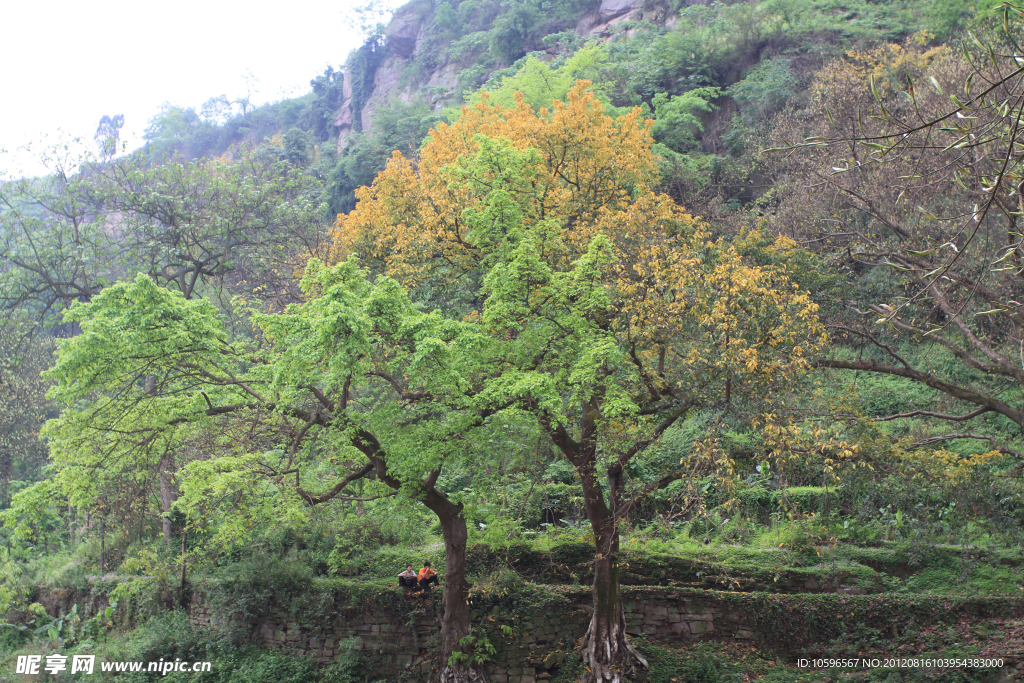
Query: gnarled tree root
{"x": 462, "y": 674}
{"x": 612, "y": 659}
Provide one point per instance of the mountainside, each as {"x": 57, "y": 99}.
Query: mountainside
{"x": 724, "y": 70}
{"x": 414, "y": 58}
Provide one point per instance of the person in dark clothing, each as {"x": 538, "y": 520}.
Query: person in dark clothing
{"x": 428, "y": 576}
{"x": 408, "y": 578}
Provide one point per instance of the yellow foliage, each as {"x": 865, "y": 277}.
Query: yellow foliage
{"x": 942, "y": 466}
{"x": 588, "y": 170}
{"x": 888, "y": 66}
{"x": 875, "y": 453}
{"x": 726, "y": 326}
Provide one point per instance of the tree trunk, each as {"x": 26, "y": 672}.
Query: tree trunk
{"x": 181, "y": 592}
{"x": 165, "y": 473}
{"x": 6, "y": 468}
{"x": 455, "y": 622}
{"x": 168, "y": 493}
{"x": 608, "y": 655}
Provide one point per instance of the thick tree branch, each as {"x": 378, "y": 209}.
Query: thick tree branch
{"x": 337, "y": 488}
{"x": 959, "y": 392}
{"x": 629, "y": 454}
{"x": 980, "y": 437}
{"x": 940, "y": 416}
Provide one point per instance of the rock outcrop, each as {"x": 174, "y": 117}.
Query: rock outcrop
{"x": 600, "y": 22}
{"x": 610, "y": 9}
{"x": 404, "y": 34}
{"x": 404, "y": 38}
{"x": 344, "y": 118}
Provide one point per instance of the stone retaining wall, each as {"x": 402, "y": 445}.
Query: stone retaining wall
{"x": 398, "y": 635}
{"x": 400, "y": 638}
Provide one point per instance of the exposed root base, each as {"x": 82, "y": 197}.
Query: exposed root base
{"x": 610, "y": 660}
{"x": 462, "y": 674}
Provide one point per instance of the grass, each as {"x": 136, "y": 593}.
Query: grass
{"x": 707, "y": 663}
{"x": 801, "y": 549}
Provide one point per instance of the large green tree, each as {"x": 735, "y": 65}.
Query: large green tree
{"x": 245, "y": 223}
{"x": 24, "y": 406}
{"x": 206, "y": 228}
{"x": 344, "y": 386}
{"x": 602, "y": 312}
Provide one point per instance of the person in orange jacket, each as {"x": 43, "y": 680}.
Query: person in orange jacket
{"x": 428, "y": 576}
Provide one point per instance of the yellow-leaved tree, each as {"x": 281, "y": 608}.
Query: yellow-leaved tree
{"x": 587, "y": 302}
{"x": 420, "y": 221}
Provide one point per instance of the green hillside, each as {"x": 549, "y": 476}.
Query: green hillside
{"x": 683, "y": 340}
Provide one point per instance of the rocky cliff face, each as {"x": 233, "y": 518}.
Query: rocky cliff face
{"x": 404, "y": 39}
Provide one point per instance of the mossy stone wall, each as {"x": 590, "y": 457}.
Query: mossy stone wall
{"x": 397, "y": 635}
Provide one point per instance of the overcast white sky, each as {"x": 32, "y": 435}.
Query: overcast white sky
{"x": 64, "y": 64}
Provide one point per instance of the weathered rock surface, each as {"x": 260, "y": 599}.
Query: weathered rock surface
{"x": 344, "y": 119}
{"x": 404, "y": 34}
{"x": 616, "y": 8}
{"x": 403, "y": 39}
{"x": 386, "y": 86}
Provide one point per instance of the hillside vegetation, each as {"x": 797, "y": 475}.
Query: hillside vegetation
{"x": 684, "y": 340}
